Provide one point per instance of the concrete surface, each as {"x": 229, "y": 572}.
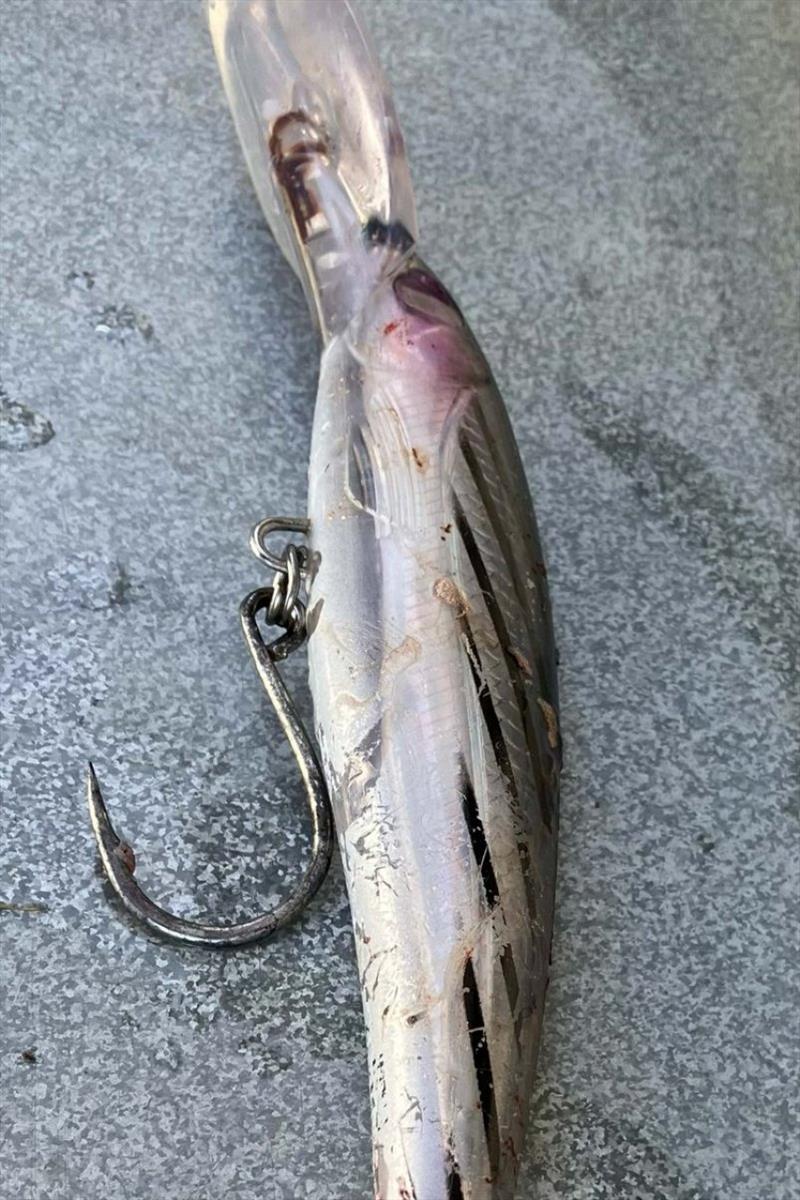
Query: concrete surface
{"x": 611, "y": 189}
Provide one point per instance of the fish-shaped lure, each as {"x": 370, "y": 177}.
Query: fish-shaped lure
{"x": 431, "y": 654}
{"x": 432, "y": 663}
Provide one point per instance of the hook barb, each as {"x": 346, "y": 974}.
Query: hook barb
{"x": 118, "y": 858}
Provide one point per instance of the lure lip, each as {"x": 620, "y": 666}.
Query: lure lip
{"x": 313, "y": 59}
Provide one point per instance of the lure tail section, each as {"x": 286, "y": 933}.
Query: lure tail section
{"x": 322, "y": 142}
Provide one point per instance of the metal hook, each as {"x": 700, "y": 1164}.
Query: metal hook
{"x": 283, "y": 607}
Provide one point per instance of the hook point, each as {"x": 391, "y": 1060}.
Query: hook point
{"x": 108, "y": 840}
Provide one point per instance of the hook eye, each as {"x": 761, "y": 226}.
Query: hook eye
{"x": 269, "y": 525}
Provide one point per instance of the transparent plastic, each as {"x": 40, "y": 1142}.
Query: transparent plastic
{"x": 431, "y": 655}
{"x": 320, "y": 135}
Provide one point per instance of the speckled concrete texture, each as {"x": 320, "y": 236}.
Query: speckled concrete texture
{"x": 610, "y": 187}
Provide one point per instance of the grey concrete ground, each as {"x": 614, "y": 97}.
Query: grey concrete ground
{"x": 610, "y": 187}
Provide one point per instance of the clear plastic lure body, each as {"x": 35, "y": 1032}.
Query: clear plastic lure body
{"x": 432, "y": 663}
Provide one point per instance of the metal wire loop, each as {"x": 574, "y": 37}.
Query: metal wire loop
{"x": 286, "y": 586}
{"x": 269, "y": 525}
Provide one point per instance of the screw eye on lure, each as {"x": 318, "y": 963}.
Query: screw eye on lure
{"x": 421, "y": 593}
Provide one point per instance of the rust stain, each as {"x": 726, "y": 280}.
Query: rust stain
{"x": 402, "y": 655}
{"x": 508, "y": 1145}
{"x": 448, "y": 591}
{"x": 521, "y": 661}
{"x": 125, "y": 854}
{"x": 551, "y": 720}
{"x": 420, "y": 458}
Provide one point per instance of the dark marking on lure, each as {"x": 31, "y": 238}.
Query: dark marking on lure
{"x": 477, "y": 837}
{"x": 422, "y": 294}
{"x": 368, "y": 750}
{"x": 497, "y": 739}
{"x": 527, "y": 875}
{"x": 509, "y": 970}
{"x": 498, "y": 620}
{"x": 454, "y": 1188}
{"x": 511, "y": 979}
{"x": 488, "y": 710}
{"x": 526, "y": 581}
{"x": 482, "y": 1062}
{"x": 394, "y": 235}
{"x": 501, "y": 534}
{"x": 295, "y": 142}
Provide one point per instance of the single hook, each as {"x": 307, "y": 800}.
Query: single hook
{"x": 117, "y": 856}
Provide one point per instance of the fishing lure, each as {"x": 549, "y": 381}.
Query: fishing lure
{"x": 432, "y": 664}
